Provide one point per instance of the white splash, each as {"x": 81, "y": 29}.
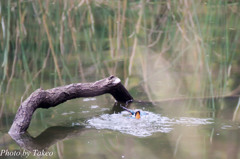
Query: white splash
{"x": 105, "y": 109}
{"x": 68, "y": 113}
{"x": 89, "y": 99}
{"x": 94, "y": 106}
{"x": 146, "y": 126}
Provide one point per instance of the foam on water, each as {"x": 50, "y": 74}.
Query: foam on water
{"x": 89, "y": 99}
{"x": 68, "y": 113}
{"x": 94, "y": 106}
{"x": 146, "y": 126}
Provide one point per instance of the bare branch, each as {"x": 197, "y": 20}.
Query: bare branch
{"x": 52, "y": 97}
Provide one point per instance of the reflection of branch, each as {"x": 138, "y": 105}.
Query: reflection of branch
{"x": 52, "y": 97}
{"x": 47, "y": 138}
{"x": 54, "y": 134}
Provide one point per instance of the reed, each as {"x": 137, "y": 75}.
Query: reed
{"x": 196, "y": 43}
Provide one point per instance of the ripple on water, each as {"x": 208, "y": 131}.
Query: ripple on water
{"x": 146, "y": 126}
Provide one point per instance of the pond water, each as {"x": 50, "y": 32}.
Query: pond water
{"x": 180, "y": 58}
{"x": 99, "y": 128}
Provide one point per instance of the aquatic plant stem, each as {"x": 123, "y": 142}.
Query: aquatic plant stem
{"x": 50, "y": 43}
{"x": 6, "y": 50}
{"x": 37, "y": 74}
{"x": 140, "y": 13}
{"x": 14, "y": 60}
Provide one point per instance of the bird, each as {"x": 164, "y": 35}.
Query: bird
{"x": 136, "y": 114}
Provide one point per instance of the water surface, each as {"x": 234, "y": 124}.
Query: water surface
{"x": 90, "y": 128}
{"x": 184, "y": 50}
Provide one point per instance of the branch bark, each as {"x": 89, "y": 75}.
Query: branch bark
{"x": 52, "y": 97}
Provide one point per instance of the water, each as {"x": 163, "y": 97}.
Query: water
{"x": 185, "y": 50}
{"x": 90, "y": 128}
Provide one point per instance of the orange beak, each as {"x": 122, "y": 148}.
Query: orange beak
{"x": 137, "y": 115}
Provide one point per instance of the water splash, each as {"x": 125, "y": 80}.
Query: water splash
{"x": 68, "y": 113}
{"x": 146, "y": 126}
{"x": 94, "y": 106}
{"x": 89, "y": 99}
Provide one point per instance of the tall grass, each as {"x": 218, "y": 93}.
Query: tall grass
{"x": 50, "y": 43}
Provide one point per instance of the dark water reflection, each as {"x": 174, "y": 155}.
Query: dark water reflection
{"x": 66, "y": 132}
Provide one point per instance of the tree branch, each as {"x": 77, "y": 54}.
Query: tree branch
{"x": 52, "y": 97}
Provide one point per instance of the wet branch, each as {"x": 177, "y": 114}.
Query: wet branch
{"x": 52, "y": 97}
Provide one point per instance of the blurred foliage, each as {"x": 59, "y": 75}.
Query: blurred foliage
{"x": 165, "y": 48}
